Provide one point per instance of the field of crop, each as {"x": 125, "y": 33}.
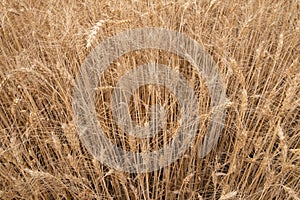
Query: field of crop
{"x": 255, "y": 46}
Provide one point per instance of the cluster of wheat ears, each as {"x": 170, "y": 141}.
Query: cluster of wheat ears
{"x": 255, "y": 46}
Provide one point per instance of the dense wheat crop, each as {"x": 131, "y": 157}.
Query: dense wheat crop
{"x": 255, "y": 46}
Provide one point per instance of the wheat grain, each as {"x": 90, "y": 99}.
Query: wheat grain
{"x": 255, "y": 46}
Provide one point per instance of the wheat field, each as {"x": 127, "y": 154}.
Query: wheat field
{"x": 255, "y": 46}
